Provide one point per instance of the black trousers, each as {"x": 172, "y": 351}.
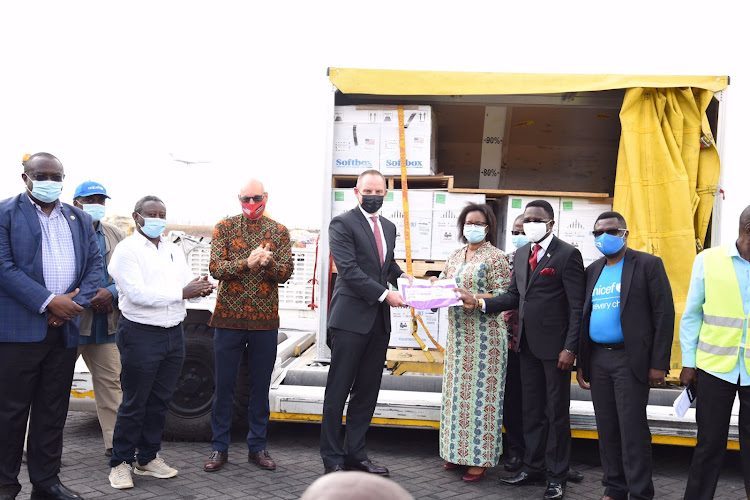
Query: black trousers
{"x": 713, "y": 409}
{"x": 620, "y": 402}
{"x": 357, "y": 368}
{"x": 35, "y": 377}
{"x": 512, "y": 411}
{"x": 546, "y": 416}
{"x": 151, "y": 359}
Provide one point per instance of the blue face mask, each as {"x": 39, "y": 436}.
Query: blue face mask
{"x": 153, "y": 226}
{"x": 519, "y": 240}
{"x": 96, "y": 211}
{"x": 608, "y": 244}
{"x": 473, "y": 233}
{"x": 45, "y": 191}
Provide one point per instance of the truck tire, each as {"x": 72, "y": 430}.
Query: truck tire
{"x": 189, "y": 415}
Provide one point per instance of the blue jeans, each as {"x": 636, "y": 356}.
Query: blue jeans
{"x": 152, "y": 360}
{"x": 229, "y": 346}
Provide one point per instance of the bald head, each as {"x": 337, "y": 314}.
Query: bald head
{"x": 744, "y": 219}
{"x": 354, "y": 484}
{"x": 253, "y": 187}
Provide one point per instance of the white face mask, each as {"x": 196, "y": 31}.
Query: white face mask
{"x": 536, "y": 231}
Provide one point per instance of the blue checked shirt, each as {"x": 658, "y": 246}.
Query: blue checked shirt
{"x": 58, "y": 252}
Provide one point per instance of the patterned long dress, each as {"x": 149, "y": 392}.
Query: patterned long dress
{"x": 476, "y": 353}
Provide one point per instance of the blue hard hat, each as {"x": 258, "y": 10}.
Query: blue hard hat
{"x": 90, "y": 188}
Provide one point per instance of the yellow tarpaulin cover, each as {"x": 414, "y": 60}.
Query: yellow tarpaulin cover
{"x": 401, "y": 82}
{"x": 665, "y": 181}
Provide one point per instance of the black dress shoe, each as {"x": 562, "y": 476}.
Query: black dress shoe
{"x": 334, "y": 468}
{"x": 554, "y": 491}
{"x": 574, "y": 476}
{"x": 56, "y": 492}
{"x": 368, "y": 466}
{"x": 514, "y": 464}
{"x": 524, "y": 478}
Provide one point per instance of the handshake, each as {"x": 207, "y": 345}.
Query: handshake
{"x": 260, "y": 256}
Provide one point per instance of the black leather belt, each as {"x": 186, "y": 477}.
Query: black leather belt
{"x": 611, "y": 347}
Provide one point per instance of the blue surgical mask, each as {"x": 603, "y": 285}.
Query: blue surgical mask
{"x": 45, "y": 191}
{"x": 153, "y": 227}
{"x": 95, "y": 210}
{"x": 473, "y": 233}
{"x": 608, "y": 244}
{"x": 519, "y": 240}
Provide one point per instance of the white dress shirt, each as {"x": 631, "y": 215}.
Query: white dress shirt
{"x": 150, "y": 280}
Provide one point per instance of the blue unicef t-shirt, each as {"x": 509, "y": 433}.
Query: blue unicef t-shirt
{"x": 605, "y": 325}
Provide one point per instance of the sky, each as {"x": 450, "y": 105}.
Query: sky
{"x": 113, "y": 88}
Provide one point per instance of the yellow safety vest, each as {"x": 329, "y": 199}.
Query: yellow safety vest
{"x": 723, "y": 315}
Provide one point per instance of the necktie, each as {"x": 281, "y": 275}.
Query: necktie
{"x": 532, "y": 259}
{"x": 378, "y": 239}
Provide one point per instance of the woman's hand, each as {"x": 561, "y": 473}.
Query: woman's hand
{"x": 433, "y": 279}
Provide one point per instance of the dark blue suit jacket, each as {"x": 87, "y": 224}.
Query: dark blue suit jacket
{"x": 22, "y": 288}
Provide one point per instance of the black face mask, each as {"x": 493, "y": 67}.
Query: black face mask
{"x": 371, "y": 203}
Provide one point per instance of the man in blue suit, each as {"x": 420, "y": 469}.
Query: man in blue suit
{"x": 50, "y": 268}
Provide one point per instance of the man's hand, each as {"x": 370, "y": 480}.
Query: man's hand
{"x": 199, "y": 287}
{"x": 410, "y": 278}
{"x": 582, "y": 383}
{"x": 565, "y": 360}
{"x": 656, "y": 377}
{"x": 394, "y": 299}
{"x": 267, "y": 255}
{"x": 468, "y": 298}
{"x": 53, "y": 320}
{"x": 63, "y": 306}
{"x": 258, "y": 256}
{"x": 103, "y": 301}
{"x": 688, "y": 375}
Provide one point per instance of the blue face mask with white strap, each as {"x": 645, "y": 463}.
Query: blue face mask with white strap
{"x": 474, "y": 234}
{"x": 153, "y": 227}
{"x": 45, "y": 191}
{"x": 519, "y": 240}
{"x": 95, "y": 210}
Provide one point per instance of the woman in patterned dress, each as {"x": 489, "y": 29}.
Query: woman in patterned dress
{"x": 475, "y": 351}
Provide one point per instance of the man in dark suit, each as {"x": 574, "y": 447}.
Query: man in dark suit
{"x": 50, "y": 268}
{"x": 626, "y": 341}
{"x": 362, "y": 246}
{"x": 547, "y": 289}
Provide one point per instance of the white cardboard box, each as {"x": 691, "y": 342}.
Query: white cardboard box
{"x": 356, "y": 147}
{"x": 342, "y": 200}
{"x": 420, "y": 222}
{"x": 401, "y": 327}
{"x": 576, "y": 221}
{"x": 445, "y": 210}
{"x": 420, "y": 137}
{"x": 357, "y": 114}
{"x": 511, "y": 207}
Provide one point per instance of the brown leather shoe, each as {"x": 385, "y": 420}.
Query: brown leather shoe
{"x": 216, "y": 461}
{"x": 262, "y": 459}
{"x": 367, "y": 466}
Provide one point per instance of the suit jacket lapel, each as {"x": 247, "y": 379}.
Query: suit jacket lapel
{"x": 596, "y": 271}
{"x": 627, "y": 277}
{"x": 75, "y": 232}
{"x": 543, "y": 261}
{"x": 521, "y": 266}
{"x": 31, "y": 217}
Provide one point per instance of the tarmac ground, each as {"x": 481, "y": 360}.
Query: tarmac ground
{"x": 410, "y": 454}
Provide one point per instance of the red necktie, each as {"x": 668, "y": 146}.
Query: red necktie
{"x": 533, "y": 260}
{"x": 378, "y": 239}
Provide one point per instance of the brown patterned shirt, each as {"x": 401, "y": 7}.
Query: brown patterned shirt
{"x": 248, "y": 299}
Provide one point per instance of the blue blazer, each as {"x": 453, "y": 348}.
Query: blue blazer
{"x": 22, "y": 288}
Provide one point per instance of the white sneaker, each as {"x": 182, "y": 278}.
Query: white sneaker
{"x": 119, "y": 477}
{"x": 155, "y": 468}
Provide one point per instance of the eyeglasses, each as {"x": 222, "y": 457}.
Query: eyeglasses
{"x": 534, "y": 221}
{"x": 516, "y": 233}
{"x": 255, "y": 199}
{"x": 611, "y": 232}
{"x": 46, "y": 177}
{"x": 476, "y": 224}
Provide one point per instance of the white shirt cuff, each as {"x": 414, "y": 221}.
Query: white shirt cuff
{"x": 46, "y": 303}
{"x": 382, "y": 297}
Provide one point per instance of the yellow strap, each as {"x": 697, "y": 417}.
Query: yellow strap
{"x": 435, "y": 342}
